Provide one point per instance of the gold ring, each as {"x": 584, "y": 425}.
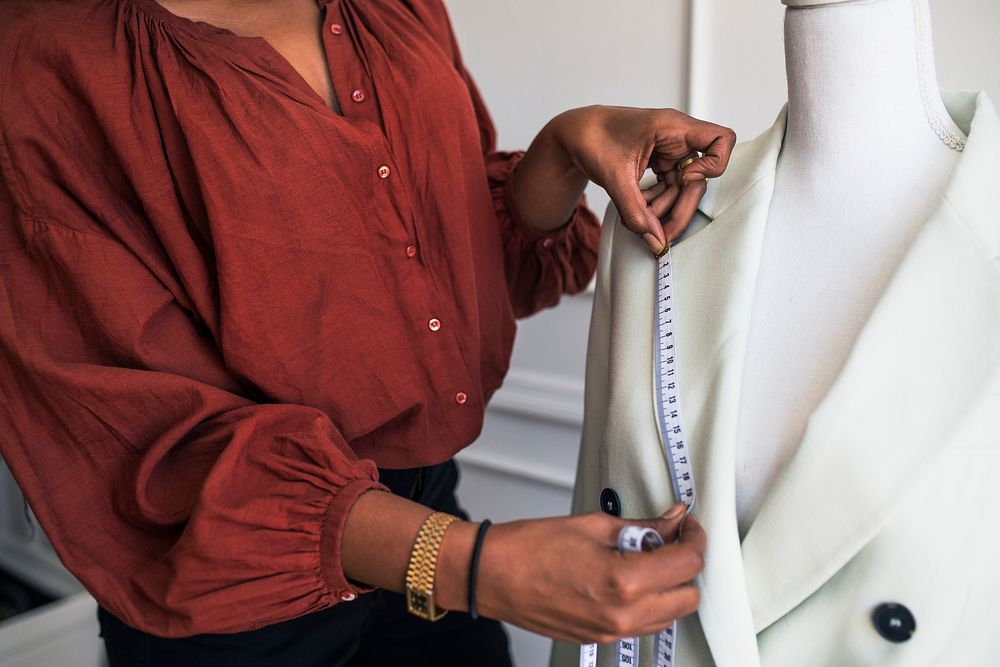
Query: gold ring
{"x": 680, "y": 165}
{"x": 666, "y": 249}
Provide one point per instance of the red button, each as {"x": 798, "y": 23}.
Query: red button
{"x": 384, "y": 171}
{"x": 434, "y": 324}
{"x": 359, "y": 96}
{"x": 547, "y": 243}
{"x": 336, "y": 29}
{"x": 461, "y": 397}
{"x": 411, "y": 251}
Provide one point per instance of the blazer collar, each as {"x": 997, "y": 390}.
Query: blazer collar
{"x": 926, "y": 356}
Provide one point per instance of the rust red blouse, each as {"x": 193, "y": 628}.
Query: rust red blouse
{"x": 222, "y": 306}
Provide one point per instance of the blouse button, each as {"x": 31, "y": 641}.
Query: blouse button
{"x": 384, "y": 171}
{"x": 347, "y": 597}
{"x": 359, "y": 96}
{"x": 411, "y": 251}
{"x": 434, "y": 324}
{"x": 547, "y": 243}
{"x": 336, "y": 29}
{"x": 461, "y": 397}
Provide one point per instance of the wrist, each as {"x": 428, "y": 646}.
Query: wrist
{"x": 451, "y": 586}
{"x": 378, "y": 537}
{"x": 547, "y": 185}
{"x": 422, "y": 572}
{"x": 555, "y": 138}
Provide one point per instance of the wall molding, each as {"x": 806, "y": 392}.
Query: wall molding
{"x": 516, "y": 466}
{"x": 530, "y": 397}
{"x": 697, "y": 69}
{"x": 545, "y": 397}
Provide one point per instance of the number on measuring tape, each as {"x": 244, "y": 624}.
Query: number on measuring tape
{"x": 628, "y": 653}
{"x": 668, "y": 411}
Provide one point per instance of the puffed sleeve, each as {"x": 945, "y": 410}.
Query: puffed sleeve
{"x": 183, "y": 505}
{"x": 540, "y": 268}
{"x": 166, "y": 395}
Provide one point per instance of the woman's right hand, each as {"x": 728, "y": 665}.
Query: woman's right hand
{"x": 564, "y": 577}
{"x": 561, "y": 577}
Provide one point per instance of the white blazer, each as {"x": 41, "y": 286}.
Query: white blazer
{"x": 893, "y": 495}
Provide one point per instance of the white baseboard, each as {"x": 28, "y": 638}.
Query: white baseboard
{"x": 541, "y": 396}
{"x": 498, "y": 462}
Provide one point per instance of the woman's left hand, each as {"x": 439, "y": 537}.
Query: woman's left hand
{"x": 613, "y": 147}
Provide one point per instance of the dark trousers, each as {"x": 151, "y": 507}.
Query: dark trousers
{"x": 375, "y": 630}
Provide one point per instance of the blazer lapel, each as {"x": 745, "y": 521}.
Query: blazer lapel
{"x": 714, "y": 271}
{"x": 927, "y": 356}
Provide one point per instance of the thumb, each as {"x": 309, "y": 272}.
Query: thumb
{"x": 668, "y": 524}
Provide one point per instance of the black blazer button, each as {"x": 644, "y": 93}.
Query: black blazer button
{"x": 894, "y": 622}
{"x": 610, "y": 503}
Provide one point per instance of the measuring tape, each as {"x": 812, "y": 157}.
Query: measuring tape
{"x": 668, "y": 401}
{"x": 668, "y": 411}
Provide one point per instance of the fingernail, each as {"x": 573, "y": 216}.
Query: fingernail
{"x": 654, "y": 243}
{"x": 675, "y": 511}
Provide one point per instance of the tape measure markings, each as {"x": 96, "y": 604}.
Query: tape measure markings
{"x": 668, "y": 404}
{"x": 668, "y": 411}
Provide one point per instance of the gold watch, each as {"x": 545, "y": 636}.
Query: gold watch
{"x": 423, "y": 562}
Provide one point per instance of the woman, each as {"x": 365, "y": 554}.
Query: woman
{"x": 261, "y": 268}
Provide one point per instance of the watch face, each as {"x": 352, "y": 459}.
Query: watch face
{"x": 418, "y": 602}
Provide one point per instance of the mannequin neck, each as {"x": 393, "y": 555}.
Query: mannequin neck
{"x": 861, "y": 80}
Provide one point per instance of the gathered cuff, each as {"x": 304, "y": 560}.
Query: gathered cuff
{"x": 540, "y": 266}
{"x": 506, "y": 205}
{"x": 332, "y": 532}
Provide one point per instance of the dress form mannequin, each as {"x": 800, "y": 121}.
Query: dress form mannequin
{"x": 867, "y": 154}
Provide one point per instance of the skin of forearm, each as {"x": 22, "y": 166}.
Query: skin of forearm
{"x": 379, "y": 534}
{"x": 547, "y": 186}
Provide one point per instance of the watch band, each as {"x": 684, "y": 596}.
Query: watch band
{"x": 423, "y": 562}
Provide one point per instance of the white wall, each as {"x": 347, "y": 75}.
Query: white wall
{"x": 535, "y": 58}
{"x": 737, "y": 58}
{"x": 718, "y": 59}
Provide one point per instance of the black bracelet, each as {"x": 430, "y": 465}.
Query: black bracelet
{"x": 474, "y": 567}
